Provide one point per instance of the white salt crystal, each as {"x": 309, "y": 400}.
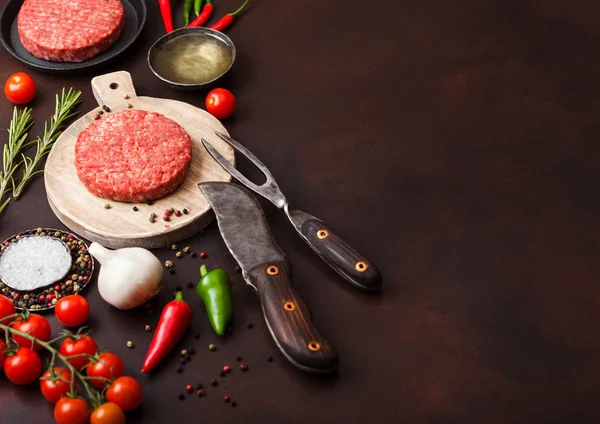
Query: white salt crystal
{"x": 34, "y": 262}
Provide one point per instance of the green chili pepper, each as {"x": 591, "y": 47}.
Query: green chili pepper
{"x": 187, "y": 8}
{"x": 197, "y": 6}
{"x": 215, "y": 291}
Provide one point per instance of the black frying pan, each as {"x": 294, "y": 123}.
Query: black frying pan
{"x": 135, "y": 18}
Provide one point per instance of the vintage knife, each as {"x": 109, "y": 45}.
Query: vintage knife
{"x": 245, "y": 231}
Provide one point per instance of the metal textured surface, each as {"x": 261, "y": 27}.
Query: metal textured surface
{"x": 242, "y": 224}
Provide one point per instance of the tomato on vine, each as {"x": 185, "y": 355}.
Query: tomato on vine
{"x": 72, "y": 411}
{"x": 24, "y": 367}
{"x": 108, "y": 413}
{"x": 36, "y": 326}
{"x": 72, "y": 310}
{"x": 7, "y": 308}
{"x": 78, "y": 345}
{"x": 108, "y": 366}
{"x": 55, "y": 385}
{"x": 125, "y": 392}
{"x": 2, "y": 351}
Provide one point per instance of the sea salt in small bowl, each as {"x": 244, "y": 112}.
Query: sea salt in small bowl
{"x": 191, "y": 58}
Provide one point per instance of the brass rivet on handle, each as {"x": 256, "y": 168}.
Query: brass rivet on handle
{"x": 272, "y": 270}
{"x": 361, "y": 266}
{"x": 314, "y": 346}
{"x": 289, "y": 306}
{"x": 322, "y": 234}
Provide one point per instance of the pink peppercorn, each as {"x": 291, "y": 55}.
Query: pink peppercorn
{"x": 226, "y": 368}
{"x": 203, "y": 254}
{"x": 177, "y": 213}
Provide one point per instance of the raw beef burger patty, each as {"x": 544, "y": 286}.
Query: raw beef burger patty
{"x": 69, "y": 30}
{"x": 133, "y": 156}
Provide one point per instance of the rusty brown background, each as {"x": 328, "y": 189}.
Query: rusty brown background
{"x": 456, "y": 144}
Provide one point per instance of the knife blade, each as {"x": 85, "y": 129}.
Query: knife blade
{"x": 247, "y": 236}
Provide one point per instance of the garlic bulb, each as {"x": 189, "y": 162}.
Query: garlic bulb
{"x": 128, "y": 277}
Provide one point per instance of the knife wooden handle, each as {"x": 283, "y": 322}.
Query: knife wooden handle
{"x": 340, "y": 256}
{"x": 290, "y": 321}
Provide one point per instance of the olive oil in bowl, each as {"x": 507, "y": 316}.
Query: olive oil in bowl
{"x": 191, "y": 58}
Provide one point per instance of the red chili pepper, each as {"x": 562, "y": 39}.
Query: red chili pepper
{"x": 227, "y": 20}
{"x": 204, "y": 16}
{"x": 175, "y": 318}
{"x": 165, "y": 12}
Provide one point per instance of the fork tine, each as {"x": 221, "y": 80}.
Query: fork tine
{"x": 227, "y": 166}
{"x": 237, "y": 146}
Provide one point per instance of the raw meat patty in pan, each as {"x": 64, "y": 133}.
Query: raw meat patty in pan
{"x": 69, "y": 30}
{"x": 132, "y": 156}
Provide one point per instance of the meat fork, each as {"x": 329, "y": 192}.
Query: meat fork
{"x": 332, "y": 249}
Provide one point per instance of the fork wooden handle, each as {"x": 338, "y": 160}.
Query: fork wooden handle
{"x": 340, "y": 256}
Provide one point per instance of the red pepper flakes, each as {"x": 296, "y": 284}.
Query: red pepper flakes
{"x": 203, "y": 254}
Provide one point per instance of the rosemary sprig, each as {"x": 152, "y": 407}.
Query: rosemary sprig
{"x": 17, "y": 134}
{"x": 64, "y": 110}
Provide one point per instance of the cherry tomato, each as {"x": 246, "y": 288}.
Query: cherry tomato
{"x": 37, "y": 326}
{"x": 6, "y": 308}
{"x": 71, "y": 411}
{"x": 19, "y": 88}
{"x": 82, "y": 344}
{"x": 2, "y": 357}
{"x": 220, "y": 103}
{"x": 125, "y": 392}
{"x": 108, "y": 366}
{"x": 108, "y": 413}
{"x": 72, "y": 311}
{"x": 54, "y": 390}
{"x": 24, "y": 367}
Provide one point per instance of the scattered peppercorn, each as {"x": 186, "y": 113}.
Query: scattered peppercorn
{"x": 187, "y": 249}
{"x": 249, "y": 326}
{"x": 130, "y": 344}
{"x": 171, "y": 271}
{"x": 190, "y": 285}
{"x": 238, "y": 358}
{"x": 173, "y": 247}
{"x": 183, "y": 360}
{"x": 126, "y": 96}
{"x": 189, "y": 388}
{"x": 100, "y": 112}
{"x": 166, "y": 218}
{"x": 203, "y": 255}
{"x": 185, "y": 212}
{"x": 171, "y": 210}
{"x": 148, "y": 328}
{"x": 226, "y": 399}
{"x": 197, "y": 336}
{"x": 214, "y": 383}
{"x": 169, "y": 264}
{"x": 244, "y": 367}
{"x": 96, "y": 117}
{"x": 192, "y": 350}
{"x": 193, "y": 254}
{"x": 233, "y": 404}
{"x": 106, "y": 108}
{"x": 152, "y": 218}
{"x": 149, "y": 202}
{"x": 135, "y": 209}
{"x": 167, "y": 212}
{"x": 200, "y": 392}
{"x": 129, "y": 105}
{"x": 177, "y": 212}
{"x": 181, "y": 396}
{"x": 226, "y": 368}
{"x": 183, "y": 352}
{"x": 107, "y": 206}
{"x": 269, "y": 359}
{"x": 178, "y": 254}
{"x": 212, "y": 347}
{"x": 179, "y": 369}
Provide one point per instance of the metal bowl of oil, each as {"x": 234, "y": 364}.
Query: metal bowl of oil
{"x": 191, "y": 58}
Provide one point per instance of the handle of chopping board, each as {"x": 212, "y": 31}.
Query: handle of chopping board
{"x": 114, "y": 90}
{"x": 290, "y": 321}
{"x": 338, "y": 254}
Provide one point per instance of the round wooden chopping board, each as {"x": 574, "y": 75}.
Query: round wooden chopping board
{"x": 121, "y": 226}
